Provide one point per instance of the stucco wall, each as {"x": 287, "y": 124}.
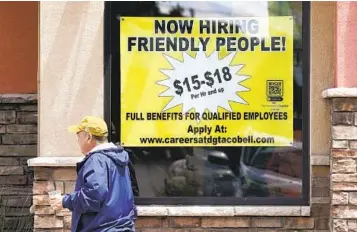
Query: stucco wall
{"x": 18, "y": 47}
{"x": 71, "y": 71}
{"x": 323, "y": 22}
{"x": 346, "y": 51}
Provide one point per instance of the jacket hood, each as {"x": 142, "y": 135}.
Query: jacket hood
{"x": 116, "y": 153}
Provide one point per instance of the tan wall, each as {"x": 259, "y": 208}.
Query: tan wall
{"x": 18, "y": 47}
{"x": 71, "y": 71}
{"x": 323, "y": 22}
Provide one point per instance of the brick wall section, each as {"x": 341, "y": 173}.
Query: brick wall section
{"x": 50, "y": 178}
{"x": 18, "y": 139}
{"x": 45, "y": 180}
{"x": 343, "y": 165}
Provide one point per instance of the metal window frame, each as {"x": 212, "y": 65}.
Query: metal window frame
{"x": 112, "y": 81}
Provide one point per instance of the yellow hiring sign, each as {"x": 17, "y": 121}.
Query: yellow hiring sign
{"x": 206, "y": 82}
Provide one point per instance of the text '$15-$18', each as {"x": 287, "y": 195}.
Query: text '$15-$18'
{"x": 196, "y": 83}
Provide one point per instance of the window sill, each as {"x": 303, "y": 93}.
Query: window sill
{"x": 339, "y": 92}
{"x": 54, "y": 161}
{"x": 71, "y": 161}
{"x": 215, "y": 211}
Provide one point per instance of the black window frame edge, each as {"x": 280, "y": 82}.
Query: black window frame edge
{"x": 112, "y": 68}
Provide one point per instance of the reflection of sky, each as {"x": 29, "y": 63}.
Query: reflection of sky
{"x": 218, "y": 9}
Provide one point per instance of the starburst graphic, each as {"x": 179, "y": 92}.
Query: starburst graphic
{"x": 203, "y": 82}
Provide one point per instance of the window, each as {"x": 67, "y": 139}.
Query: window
{"x": 217, "y": 175}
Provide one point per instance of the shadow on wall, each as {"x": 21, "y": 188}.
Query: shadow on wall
{"x": 71, "y": 70}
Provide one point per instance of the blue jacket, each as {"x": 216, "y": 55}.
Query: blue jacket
{"x": 103, "y": 198}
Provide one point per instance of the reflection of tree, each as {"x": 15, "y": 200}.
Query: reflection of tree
{"x": 192, "y": 12}
{"x": 147, "y": 9}
{"x": 289, "y": 9}
{"x": 144, "y": 9}
{"x": 136, "y": 8}
{"x": 177, "y": 11}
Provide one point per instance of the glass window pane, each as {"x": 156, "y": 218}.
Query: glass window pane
{"x": 222, "y": 171}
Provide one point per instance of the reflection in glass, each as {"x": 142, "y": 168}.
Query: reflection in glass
{"x": 222, "y": 171}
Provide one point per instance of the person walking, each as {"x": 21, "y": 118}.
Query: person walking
{"x": 103, "y": 198}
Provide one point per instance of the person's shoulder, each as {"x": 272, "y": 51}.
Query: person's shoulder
{"x": 97, "y": 158}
